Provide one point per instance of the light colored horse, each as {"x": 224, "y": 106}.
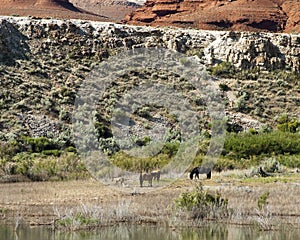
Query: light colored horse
{"x": 156, "y": 174}
{"x": 146, "y": 177}
{"x": 119, "y": 181}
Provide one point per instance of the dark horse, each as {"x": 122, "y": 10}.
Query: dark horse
{"x": 200, "y": 170}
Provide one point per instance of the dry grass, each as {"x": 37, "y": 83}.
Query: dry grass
{"x": 43, "y": 202}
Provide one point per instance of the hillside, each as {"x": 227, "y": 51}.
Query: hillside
{"x": 47, "y": 9}
{"x": 241, "y": 15}
{"x": 43, "y": 63}
{"x": 114, "y": 10}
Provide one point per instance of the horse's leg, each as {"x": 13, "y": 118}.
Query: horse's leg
{"x": 141, "y": 180}
{"x": 208, "y": 175}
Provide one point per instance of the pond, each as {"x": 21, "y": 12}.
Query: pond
{"x": 212, "y": 232}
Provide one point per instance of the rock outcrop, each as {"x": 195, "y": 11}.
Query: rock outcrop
{"x": 242, "y": 15}
{"x": 243, "y": 49}
{"x": 256, "y": 50}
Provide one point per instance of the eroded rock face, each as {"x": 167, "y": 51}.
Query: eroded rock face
{"x": 243, "y": 15}
{"x": 256, "y": 50}
{"x": 244, "y": 49}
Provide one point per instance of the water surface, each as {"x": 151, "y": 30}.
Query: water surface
{"x": 212, "y": 232}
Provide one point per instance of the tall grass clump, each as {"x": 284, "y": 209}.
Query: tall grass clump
{"x": 87, "y": 217}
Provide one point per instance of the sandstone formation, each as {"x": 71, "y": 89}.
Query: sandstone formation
{"x": 243, "y": 15}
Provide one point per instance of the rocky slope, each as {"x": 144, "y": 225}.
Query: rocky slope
{"x": 115, "y": 10}
{"x": 43, "y": 63}
{"x": 243, "y": 15}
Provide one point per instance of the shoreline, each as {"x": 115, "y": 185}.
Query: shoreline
{"x": 44, "y": 203}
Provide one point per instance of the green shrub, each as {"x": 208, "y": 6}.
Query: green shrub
{"x": 39, "y": 144}
{"x": 245, "y": 145}
{"x": 77, "y": 221}
{"x": 143, "y": 142}
{"x": 41, "y": 167}
{"x": 8, "y": 149}
{"x": 199, "y": 204}
{"x": 291, "y": 161}
{"x": 55, "y": 152}
{"x": 224, "y": 87}
{"x": 224, "y": 69}
{"x": 170, "y": 148}
{"x": 263, "y": 200}
{"x": 271, "y": 165}
{"x": 102, "y": 130}
{"x": 127, "y": 162}
{"x": 71, "y": 149}
{"x": 223, "y": 164}
{"x": 287, "y": 124}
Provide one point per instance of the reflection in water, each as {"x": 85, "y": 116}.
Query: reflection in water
{"x": 213, "y": 232}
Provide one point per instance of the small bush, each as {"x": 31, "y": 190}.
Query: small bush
{"x": 143, "y": 142}
{"x": 287, "y": 124}
{"x": 224, "y": 87}
{"x": 224, "y": 69}
{"x": 200, "y": 204}
{"x": 102, "y": 130}
{"x": 271, "y": 165}
{"x": 78, "y": 221}
{"x": 263, "y": 200}
{"x": 170, "y": 148}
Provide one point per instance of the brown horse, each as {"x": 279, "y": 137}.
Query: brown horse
{"x": 145, "y": 176}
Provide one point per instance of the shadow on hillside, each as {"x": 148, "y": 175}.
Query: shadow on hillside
{"x": 13, "y": 44}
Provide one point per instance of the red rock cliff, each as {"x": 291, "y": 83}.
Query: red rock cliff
{"x": 246, "y": 15}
